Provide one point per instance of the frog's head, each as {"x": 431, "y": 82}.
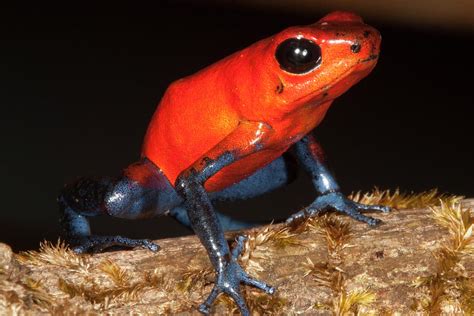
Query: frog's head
{"x": 314, "y": 64}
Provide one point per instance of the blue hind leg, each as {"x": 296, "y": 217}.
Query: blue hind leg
{"x": 273, "y": 176}
{"x": 141, "y": 191}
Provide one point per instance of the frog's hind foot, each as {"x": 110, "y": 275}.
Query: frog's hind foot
{"x": 96, "y": 244}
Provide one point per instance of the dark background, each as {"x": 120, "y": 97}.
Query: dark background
{"x": 79, "y": 85}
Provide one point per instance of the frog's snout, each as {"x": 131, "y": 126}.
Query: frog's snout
{"x": 366, "y": 45}
{"x": 367, "y": 50}
{"x": 348, "y": 31}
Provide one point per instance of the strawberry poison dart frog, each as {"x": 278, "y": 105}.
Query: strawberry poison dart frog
{"x": 223, "y": 133}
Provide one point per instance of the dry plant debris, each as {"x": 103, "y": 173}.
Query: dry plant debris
{"x": 401, "y": 200}
{"x": 450, "y": 288}
{"x": 59, "y": 255}
{"x": 316, "y": 256}
{"x": 337, "y": 234}
{"x": 195, "y": 277}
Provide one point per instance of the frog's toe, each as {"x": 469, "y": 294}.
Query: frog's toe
{"x": 205, "y": 307}
{"x": 148, "y": 244}
{"x": 299, "y": 216}
{"x": 96, "y": 244}
{"x": 355, "y": 214}
{"x": 247, "y": 279}
{"x": 378, "y": 208}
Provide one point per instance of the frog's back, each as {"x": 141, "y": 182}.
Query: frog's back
{"x": 192, "y": 117}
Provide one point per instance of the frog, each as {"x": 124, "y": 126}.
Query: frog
{"x": 228, "y": 132}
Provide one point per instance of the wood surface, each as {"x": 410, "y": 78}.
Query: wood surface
{"x": 412, "y": 263}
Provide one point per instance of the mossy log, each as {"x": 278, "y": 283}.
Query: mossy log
{"x": 420, "y": 260}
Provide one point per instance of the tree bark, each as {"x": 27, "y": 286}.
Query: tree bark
{"x": 329, "y": 265}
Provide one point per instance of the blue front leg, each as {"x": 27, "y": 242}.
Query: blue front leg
{"x": 276, "y": 174}
{"x": 205, "y": 223}
{"x": 309, "y": 154}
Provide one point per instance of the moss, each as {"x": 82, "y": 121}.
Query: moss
{"x": 403, "y": 200}
{"x": 259, "y": 303}
{"x": 59, "y": 255}
{"x": 193, "y": 278}
{"x": 337, "y": 234}
{"x": 449, "y": 272}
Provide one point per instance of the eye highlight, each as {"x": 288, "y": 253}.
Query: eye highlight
{"x": 298, "y": 55}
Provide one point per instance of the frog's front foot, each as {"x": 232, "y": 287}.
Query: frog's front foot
{"x": 337, "y": 201}
{"x": 95, "y": 244}
{"x": 228, "y": 281}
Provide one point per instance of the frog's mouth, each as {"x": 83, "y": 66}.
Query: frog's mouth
{"x": 370, "y": 58}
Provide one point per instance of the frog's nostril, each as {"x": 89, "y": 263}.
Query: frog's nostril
{"x": 355, "y": 48}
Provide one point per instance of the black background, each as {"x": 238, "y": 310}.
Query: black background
{"x": 79, "y": 84}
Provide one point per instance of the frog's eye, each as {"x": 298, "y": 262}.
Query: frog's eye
{"x": 298, "y": 55}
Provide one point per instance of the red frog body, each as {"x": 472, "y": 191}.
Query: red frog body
{"x": 199, "y": 111}
{"x": 221, "y": 134}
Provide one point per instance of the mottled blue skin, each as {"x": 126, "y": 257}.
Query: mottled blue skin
{"x": 190, "y": 204}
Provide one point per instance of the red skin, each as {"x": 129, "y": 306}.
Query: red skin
{"x": 237, "y": 102}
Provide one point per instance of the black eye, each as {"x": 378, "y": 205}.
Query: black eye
{"x": 298, "y": 55}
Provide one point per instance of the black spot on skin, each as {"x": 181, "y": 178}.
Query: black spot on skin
{"x": 325, "y": 94}
{"x": 338, "y": 34}
{"x": 279, "y": 89}
{"x": 355, "y": 48}
{"x": 367, "y": 33}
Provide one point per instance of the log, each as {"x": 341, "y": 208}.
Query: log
{"x": 420, "y": 260}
